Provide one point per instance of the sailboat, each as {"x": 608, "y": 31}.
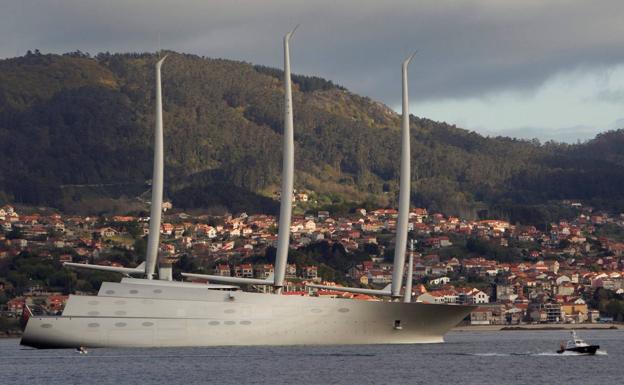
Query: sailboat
{"x": 147, "y": 312}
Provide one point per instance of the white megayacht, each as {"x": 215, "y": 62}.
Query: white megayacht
{"x": 144, "y": 312}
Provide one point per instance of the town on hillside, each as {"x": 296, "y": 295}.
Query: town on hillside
{"x": 571, "y": 271}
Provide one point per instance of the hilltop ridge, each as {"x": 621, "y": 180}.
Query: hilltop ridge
{"x": 76, "y": 132}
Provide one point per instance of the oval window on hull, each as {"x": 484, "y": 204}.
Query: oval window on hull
{"x": 120, "y": 324}
{"x": 147, "y": 324}
{"x": 46, "y": 326}
{"x": 110, "y": 291}
{"x": 94, "y": 325}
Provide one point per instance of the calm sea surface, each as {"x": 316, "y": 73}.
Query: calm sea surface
{"x": 506, "y": 357}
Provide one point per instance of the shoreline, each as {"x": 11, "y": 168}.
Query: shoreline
{"x": 538, "y": 327}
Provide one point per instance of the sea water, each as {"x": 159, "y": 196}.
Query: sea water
{"x": 488, "y": 357}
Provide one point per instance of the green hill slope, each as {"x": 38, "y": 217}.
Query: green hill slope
{"x": 75, "y": 130}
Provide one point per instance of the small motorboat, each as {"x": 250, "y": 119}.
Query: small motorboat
{"x": 82, "y": 350}
{"x": 577, "y": 345}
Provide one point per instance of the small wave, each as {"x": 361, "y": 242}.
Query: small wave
{"x": 570, "y": 354}
{"x": 490, "y": 354}
{"x": 552, "y": 354}
{"x": 340, "y": 354}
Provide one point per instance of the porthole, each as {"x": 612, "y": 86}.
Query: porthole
{"x": 93, "y": 313}
{"x": 147, "y": 301}
{"x": 120, "y": 312}
{"x": 93, "y": 302}
{"x": 46, "y": 326}
{"x": 134, "y": 292}
{"x": 316, "y": 310}
{"x": 245, "y": 322}
{"x": 110, "y": 292}
{"x": 230, "y": 311}
{"x": 147, "y": 324}
{"x": 213, "y": 323}
{"x": 120, "y": 302}
{"x": 229, "y": 322}
{"x": 343, "y": 310}
{"x": 157, "y": 291}
{"x": 120, "y": 324}
{"x": 94, "y": 325}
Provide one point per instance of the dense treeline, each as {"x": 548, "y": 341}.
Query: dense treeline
{"x": 74, "y": 129}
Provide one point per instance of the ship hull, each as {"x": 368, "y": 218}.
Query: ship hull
{"x": 133, "y": 315}
{"x": 589, "y": 350}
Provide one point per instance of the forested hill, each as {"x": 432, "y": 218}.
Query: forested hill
{"x": 76, "y": 131}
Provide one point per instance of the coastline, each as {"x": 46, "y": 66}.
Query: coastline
{"x": 537, "y": 327}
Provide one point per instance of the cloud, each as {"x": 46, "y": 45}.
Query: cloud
{"x": 612, "y": 96}
{"x": 467, "y": 49}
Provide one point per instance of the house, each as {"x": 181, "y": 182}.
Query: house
{"x": 575, "y": 311}
{"x": 123, "y": 218}
{"x": 244, "y": 270}
{"x": 481, "y": 316}
{"x": 439, "y": 281}
{"x": 223, "y": 270}
{"x": 438, "y": 296}
{"x": 437, "y": 242}
{"x": 56, "y": 303}
{"x": 5, "y": 225}
{"x": 107, "y": 232}
{"x": 472, "y": 296}
{"x": 206, "y": 230}
{"x": 265, "y": 271}
{"x": 16, "y": 305}
{"x": 7, "y": 212}
{"x": 323, "y": 214}
{"x": 311, "y": 272}
{"x": 178, "y": 231}
{"x": 547, "y": 312}
{"x": 309, "y": 226}
{"x": 166, "y": 229}
{"x": 291, "y": 271}
{"x": 505, "y": 293}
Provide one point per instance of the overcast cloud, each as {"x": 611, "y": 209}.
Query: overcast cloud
{"x": 492, "y": 66}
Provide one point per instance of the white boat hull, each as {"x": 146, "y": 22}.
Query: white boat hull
{"x": 132, "y": 315}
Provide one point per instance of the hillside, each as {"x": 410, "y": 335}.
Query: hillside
{"x": 76, "y": 133}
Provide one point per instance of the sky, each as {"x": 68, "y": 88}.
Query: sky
{"x": 546, "y": 69}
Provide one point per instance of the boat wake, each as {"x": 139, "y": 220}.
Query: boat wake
{"x": 552, "y": 354}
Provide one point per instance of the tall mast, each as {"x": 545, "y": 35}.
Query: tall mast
{"x": 288, "y": 170}
{"x": 404, "y": 192}
{"x": 409, "y": 277}
{"x": 157, "y": 183}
